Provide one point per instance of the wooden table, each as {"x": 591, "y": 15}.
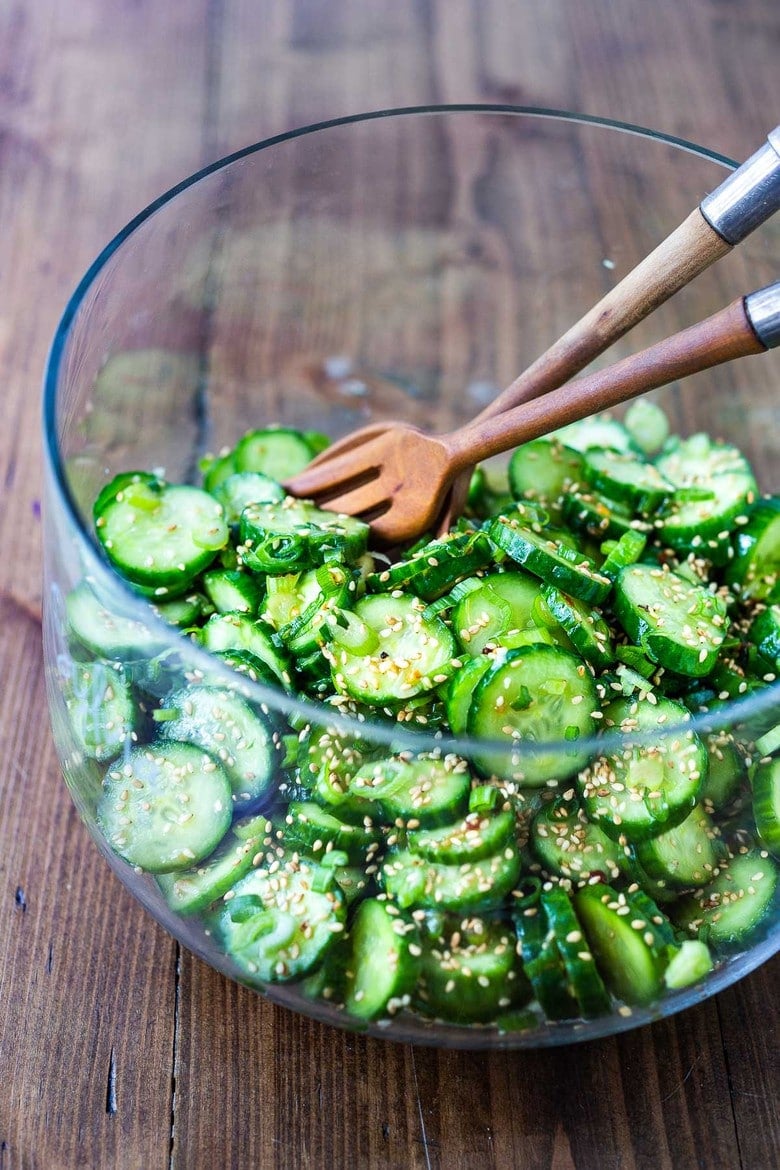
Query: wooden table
{"x": 117, "y": 1048}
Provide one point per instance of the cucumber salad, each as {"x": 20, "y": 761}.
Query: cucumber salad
{"x": 589, "y": 848}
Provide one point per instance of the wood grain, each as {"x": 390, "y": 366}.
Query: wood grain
{"x": 116, "y": 1050}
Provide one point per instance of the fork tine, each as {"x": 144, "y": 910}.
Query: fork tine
{"x": 363, "y": 499}
{"x": 319, "y": 480}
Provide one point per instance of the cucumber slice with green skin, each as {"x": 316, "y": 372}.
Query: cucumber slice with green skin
{"x": 626, "y": 951}
{"x": 191, "y": 891}
{"x": 764, "y": 634}
{"x": 108, "y": 634}
{"x": 295, "y": 535}
{"x": 756, "y": 564}
{"x": 472, "y": 887}
{"x": 569, "y": 845}
{"x": 602, "y": 519}
{"x": 460, "y": 692}
{"x": 183, "y": 612}
{"x": 247, "y": 666}
{"x": 402, "y": 654}
{"x": 585, "y": 982}
{"x": 326, "y": 763}
{"x": 277, "y": 924}
{"x": 126, "y": 486}
{"x": 278, "y": 452}
{"x": 238, "y": 491}
{"x": 216, "y": 469}
{"x": 685, "y": 856}
{"x": 161, "y": 534}
{"x": 585, "y": 627}
{"x": 626, "y": 551}
{"x": 470, "y": 971}
{"x": 421, "y": 793}
{"x": 543, "y": 965}
{"x": 626, "y": 478}
{"x": 544, "y": 469}
{"x": 233, "y": 590}
{"x": 165, "y": 806}
{"x": 645, "y": 788}
{"x": 573, "y": 572}
{"x": 726, "y": 772}
{"x": 536, "y": 695}
{"x": 765, "y": 782}
{"x": 504, "y": 611}
{"x": 732, "y": 906}
{"x": 704, "y": 526}
{"x": 223, "y": 724}
{"x": 647, "y": 426}
{"x": 103, "y": 713}
{"x": 679, "y": 625}
{"x": 238, "y": 631}
{"x": 438, "y": 566}
{"x": 688, "y": 965}
{"x": 598, "y": 431}
{"x": 309, "y": 826}
{"x": 383, "y": 961}
{"x": 476, "y": 836}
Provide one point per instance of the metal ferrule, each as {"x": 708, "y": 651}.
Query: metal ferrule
{"x": 763, "y": 312}
{"x": 748, "y": 197}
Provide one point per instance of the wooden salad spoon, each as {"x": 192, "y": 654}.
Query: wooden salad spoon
{"x": 398, "y": 478}
{"x": 725, "y": 217}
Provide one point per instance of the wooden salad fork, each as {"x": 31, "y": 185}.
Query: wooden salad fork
{"x": 397, "y": 478}
{"x": 725, "y": 217}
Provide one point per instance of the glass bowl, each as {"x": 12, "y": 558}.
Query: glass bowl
{"x": 400, "y": 264}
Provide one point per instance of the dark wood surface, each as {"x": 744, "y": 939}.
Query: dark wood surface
{"x": 117, "y": 1049}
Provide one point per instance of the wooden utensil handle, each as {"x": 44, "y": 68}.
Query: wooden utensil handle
{"x": 690, "y": 248}
{"x": 722, "y": 337}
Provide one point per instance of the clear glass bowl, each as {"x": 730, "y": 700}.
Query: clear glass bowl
{"x": 400, "y": 264}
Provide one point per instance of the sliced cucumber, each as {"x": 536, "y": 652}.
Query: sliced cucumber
{"x": 472, "y": 887}
{"x": 293, "y": 535}
{"x": 165, "y": 806}
{"x": 279, "y": 922}
{"x": 470, "y": 971}
{"x": 434, "y": 570}
{"x": 191, "y": 891}
{"x": 626, "y": 478}
{"x": 419, "y": 793}
{"x": 546, "y": 557}
{"x": 161, "y": 534}
{"x": 568, "y": 844}
{"x": 476, "y": 836}
{"x": 396, "y": 654}
{"x": 227, "y": 632}
{"x": 684, "y": 856}
{"x": 383, "y": 961}
{"x": 223, "y": 724}
{"x": 756, "y": 564}
{"x": 102, "y": 710}
{"x": 536, "y": 695}
{"x": 626, "y": 951}
{"x": 679, "y": 625}
{"x": 735, "y": 903}
{"x": 238, "y": 491}
{"x": 585, "y": 982}
{"x": 645, "y": 788}
{"x": 544, "y": 469}
{"x": 765, "y": 782}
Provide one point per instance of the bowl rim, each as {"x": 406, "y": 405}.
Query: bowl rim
{"x": 401, "y": 736}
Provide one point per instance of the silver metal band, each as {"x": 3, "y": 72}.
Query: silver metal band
{"x": 748, "y": 196}
{"x": 763, "y": 311}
